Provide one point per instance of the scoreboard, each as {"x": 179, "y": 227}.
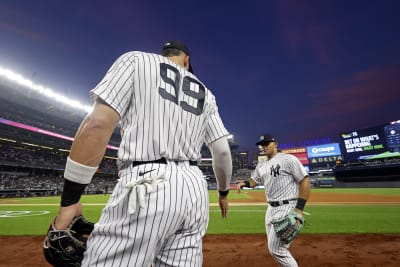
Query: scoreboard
{"x": 371, "y": 143}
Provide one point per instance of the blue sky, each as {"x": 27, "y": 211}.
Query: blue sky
{"x": 302, "y": 70}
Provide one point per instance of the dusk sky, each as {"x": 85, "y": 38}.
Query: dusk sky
{"x": 302, "y": 70}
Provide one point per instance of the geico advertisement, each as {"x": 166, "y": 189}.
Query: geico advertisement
{"x": 326, "y": 150}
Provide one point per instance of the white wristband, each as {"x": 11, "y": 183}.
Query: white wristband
{"x": 78, "y": 173}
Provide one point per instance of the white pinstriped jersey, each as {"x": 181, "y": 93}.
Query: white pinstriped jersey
{"x": 165, "y": 110}
{"x": 280, "y": 176}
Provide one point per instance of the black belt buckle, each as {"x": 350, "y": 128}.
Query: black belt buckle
{"x": 159, "y": 161}
{"x": 278, "y": 203}
{"x": 274, "y": 203}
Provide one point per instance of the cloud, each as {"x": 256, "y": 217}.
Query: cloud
{"x": 306, "y": 26}
{"x": 364, "y": 99}
{"x": 21, "y": 32}
{"x": 25, "y": 25}
{"x": 363, "y": 91}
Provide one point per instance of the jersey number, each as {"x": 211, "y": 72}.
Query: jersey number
{"x": 175, "y": 83}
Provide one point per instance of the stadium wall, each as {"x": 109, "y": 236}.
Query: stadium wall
{"x": 367, "y": 184}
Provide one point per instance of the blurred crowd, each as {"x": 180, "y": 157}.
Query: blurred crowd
{"x": 49, "y": 184}
{"x": 27, "y": 170}
{"x": 39, "y": 157}
{"x": 50, "y": 123}
{"x": 20, "y": 161}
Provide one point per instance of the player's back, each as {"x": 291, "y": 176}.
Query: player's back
{"x": 169, "y": 111}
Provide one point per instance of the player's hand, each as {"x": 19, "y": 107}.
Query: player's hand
{"x": 223, "y": 205}
{"x": 66, "y": 215}
{"x": 300, "y": 212}
{"x": 239, "y": 187}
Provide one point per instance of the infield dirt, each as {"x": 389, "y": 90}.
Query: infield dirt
{"x": 310, "y": 250}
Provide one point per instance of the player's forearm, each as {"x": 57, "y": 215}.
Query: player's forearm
{"x": 222, "y": 163}
{"x": 90, "y": 142}
{"x": 93, "y": 135}
{"x": 304, "y": 192}
{"x": 248, "y": 183}
{"x": 305, "y": 188}
{"x": 87, "y": 152}
{"x": 223, "y": 172}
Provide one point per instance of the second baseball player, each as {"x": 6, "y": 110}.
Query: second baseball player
{"x": 287, "y": 188}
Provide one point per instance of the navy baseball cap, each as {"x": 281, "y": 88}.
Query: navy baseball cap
{"x": 180, "y": 46}
{"x": 265, "y": 138}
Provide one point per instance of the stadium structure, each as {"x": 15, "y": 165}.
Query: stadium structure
{"x": 37, "y": 126}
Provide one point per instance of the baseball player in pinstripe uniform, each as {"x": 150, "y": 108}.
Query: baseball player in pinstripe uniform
{"x": 287, "y": 188}
{"x": 158, "y": 211}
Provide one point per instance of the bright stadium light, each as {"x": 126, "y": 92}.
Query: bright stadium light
{"x": 17, "y": 78}
{"x": 8, "y": 140}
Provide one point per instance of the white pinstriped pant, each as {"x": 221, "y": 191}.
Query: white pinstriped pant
{"x": 277, "y": 249}
{"x": 167, "y": 232}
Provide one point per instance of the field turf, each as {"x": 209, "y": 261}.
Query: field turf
{"x": 31, "y": 216}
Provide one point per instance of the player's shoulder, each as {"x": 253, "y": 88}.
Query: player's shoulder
{"x": 143, "y": 55}
{"x": 289, "y": 159}
{"x": 127, "y": 58}
{"x": 262, "y": 163}
{"x": 286, "y": 156}
{"x": 136, "y": 55}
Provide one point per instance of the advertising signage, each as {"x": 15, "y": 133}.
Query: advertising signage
{"x": 326, "y": 150}
{"x": 371, "y": 143}
{"x": 392, "y": 135}
{"x": 325, "y": 160}
{"x": 299, "y": 152}
{"x": 294, "y": 150}
{"x": 302, "y": 157}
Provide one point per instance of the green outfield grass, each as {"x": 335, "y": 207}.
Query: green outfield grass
{"x": 213, "y": 195}
{"x": 322, "y": 219}
{"x": 373, "y": 191}
{"x": 241, "y": 219}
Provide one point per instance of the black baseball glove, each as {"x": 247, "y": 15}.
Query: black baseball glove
{"x": 65, "y": 248}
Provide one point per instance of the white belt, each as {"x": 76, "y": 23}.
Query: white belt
{"x": 138, "y": 190}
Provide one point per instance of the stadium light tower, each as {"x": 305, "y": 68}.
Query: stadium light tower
{"x": 17, "y": 78}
